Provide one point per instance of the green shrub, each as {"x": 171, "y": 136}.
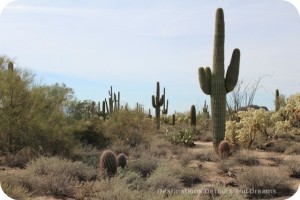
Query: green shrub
{"x": 183, "y": 137}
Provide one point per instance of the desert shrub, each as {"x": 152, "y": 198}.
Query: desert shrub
{"x": 166, "y": 178}
{"x": 116, "y": 189}
{"x": 183, "y": 137}
{"x": 91, "y": 133}
{"x": 85, "y": 190}
{"x": 129, "y": 127}
{"x": 265, "y": 182}
{"x": 279, "y": 146}
{"x": 190, "y": 177}
{"x": 205, "y": 136}
{"x": 185, "y": 158}
{"x": 293, "y": 168}
{"x": 293, "y": 149}
{"x": 208, "y": 192}
{"x": 224, "y": 166}
{"x": 246, "y": 157}
{"x": 119, "y": 147}
{"x": 55, "y": 176}
{"x": 144, "y": 165}
{"x": 133, "y": 180}
{"x": 88, "y": 155}
{"x": 20, "y": 158}
{"x": 206, "y": 156}
{"x": 15, "y": 191}
{"x": 159, "y": 148}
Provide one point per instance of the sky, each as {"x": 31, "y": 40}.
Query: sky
{"x": 130, "y": 44}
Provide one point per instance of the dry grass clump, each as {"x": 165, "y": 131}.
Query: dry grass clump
{"x": 115, "y": 189}
{"x": 206, "y": 156}
{"x": 133, "y": 180}
{"x": 13, "y": 187}
{"x": 293, "y": 149}
{"x": 185, "y": 158}
{"x": 165, "y": 178}
{"x": 246, "y": 157}
{"x": 264, "y": 182}
{"x": 293, "y": 168}
{"x": 225, "y": 167}
{"x": 208, "y": 192}
{"x": 144, "y": 165}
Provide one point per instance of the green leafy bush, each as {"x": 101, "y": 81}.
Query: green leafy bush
{"x": 183, "y": 137}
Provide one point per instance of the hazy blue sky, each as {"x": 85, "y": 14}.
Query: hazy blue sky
{"x": 131, "y": 44}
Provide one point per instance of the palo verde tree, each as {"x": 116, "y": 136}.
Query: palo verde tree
{"x": 32, "y": 115}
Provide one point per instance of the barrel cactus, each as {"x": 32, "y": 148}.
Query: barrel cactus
{"x": 121, "y": 160}
{"x": 224, "y": 149}
{"x": 215, "y": 84}
{"x": 108, "y": 164}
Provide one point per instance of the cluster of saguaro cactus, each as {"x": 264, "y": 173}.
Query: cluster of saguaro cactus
{"x": 108, "y": 164}
{"x": 157, "y": 102}
{"x": 277, "y": 100}
{"x": 193, "y": 117}
{"x": 214, "y": 84}
{"x": 113, "y": 101}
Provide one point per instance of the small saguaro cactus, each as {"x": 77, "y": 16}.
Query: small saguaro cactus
{"x": 122, "y": 161}
{"x": 205, "y": 110}
{"x": 108, "y": 164}
{"x": 277, "y": 100}
{"x": 224, "y": 149}
{"x": 214, "y": 84}
{"x": 193, "y": 117}
{"x": 165, "y": 107}
{"x": 157, "y": 102}
{"x": 173, "y": 119}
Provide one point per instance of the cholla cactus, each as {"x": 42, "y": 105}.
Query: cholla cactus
{"x": 252, "y": 123}
{"x": 214, "y": 84}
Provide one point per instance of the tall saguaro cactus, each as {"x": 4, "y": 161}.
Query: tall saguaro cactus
{"x": 214, "y": 84}
{"x": 157, "y": 102}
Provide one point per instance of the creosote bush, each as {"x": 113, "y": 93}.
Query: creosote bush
{"x": 267, "y": 182}
{"x": 55, "y": 176}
